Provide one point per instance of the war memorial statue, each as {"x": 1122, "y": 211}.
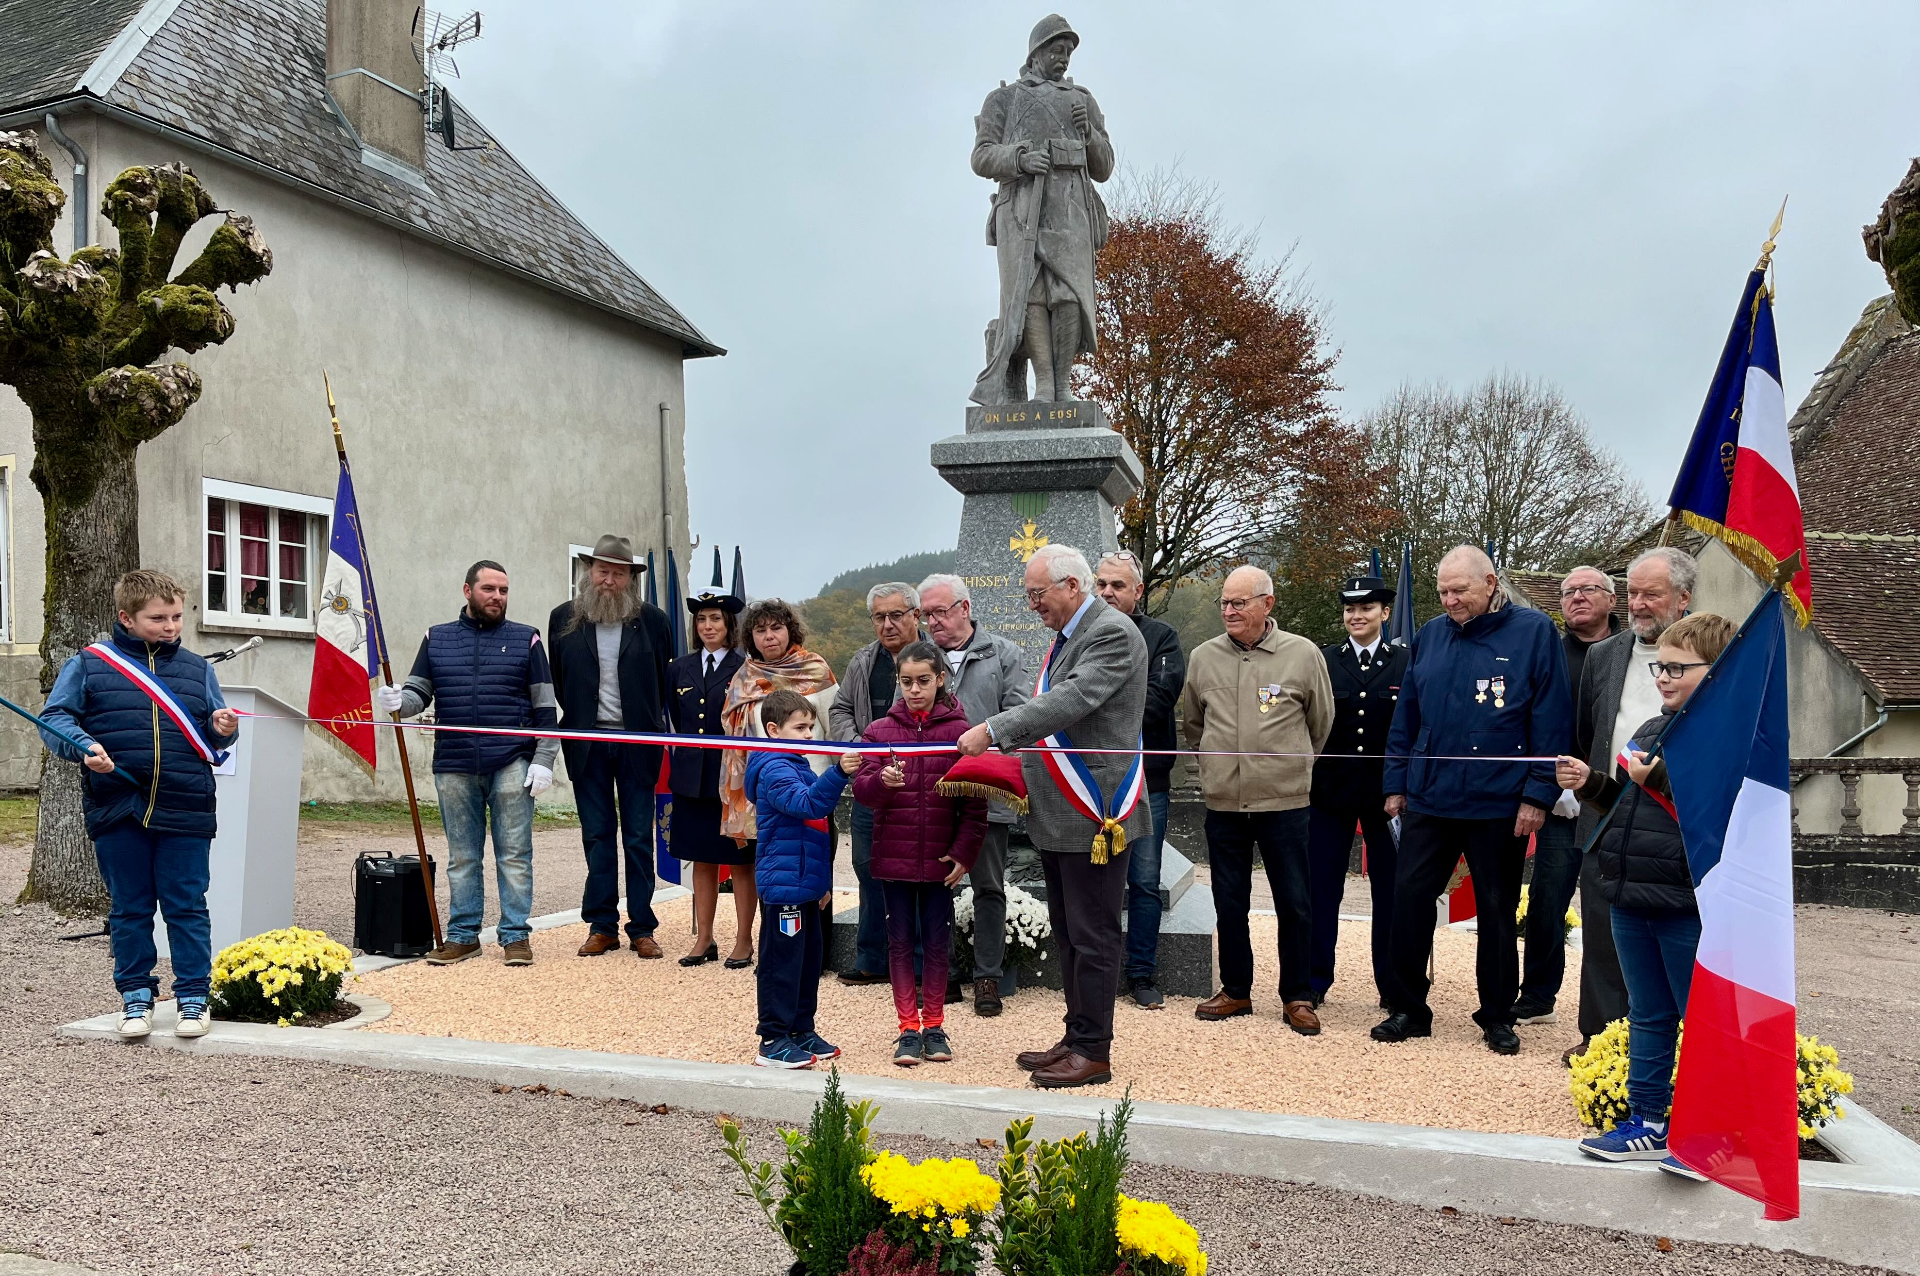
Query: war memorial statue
{"x": 1043, "y": 139}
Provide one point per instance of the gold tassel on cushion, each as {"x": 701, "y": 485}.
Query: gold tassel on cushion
{"x": 966, "y": 788}
{"x": 1110, "y": 841}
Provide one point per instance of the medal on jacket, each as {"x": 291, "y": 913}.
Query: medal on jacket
{"x": 1269, "y": 696}
{"x": 1480, "y": 686}
{"x": 1499, "y": 693}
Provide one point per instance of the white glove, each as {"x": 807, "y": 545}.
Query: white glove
{"x": 1568, "y": 806}
{"x": 539, "y": 778}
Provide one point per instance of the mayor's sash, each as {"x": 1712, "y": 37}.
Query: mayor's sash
{"x": 156, "y": 691}
{"x": 1076, "y": 783}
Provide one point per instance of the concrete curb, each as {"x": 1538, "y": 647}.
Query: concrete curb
{"x": 372, "y": 1010}
{"x": 1856, "y": 1212}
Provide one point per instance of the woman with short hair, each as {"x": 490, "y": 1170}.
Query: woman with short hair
{"x": 696, "y": 703}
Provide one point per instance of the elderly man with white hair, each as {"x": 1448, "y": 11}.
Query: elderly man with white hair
{"x": 1485, "y": 694}
{"x": 1084, "y": 808}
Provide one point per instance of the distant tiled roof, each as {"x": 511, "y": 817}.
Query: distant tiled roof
{"x": 1864, "y": 606}
{"x": 248, "y": 77}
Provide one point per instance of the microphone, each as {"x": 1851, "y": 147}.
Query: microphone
{"x": 231, "y": 652}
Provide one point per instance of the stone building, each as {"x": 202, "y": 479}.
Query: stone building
{"x": 509, "y": 387}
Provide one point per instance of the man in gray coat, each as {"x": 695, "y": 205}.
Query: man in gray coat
{"x": 986, "y": 675}
{"x": 1093, "y": 696}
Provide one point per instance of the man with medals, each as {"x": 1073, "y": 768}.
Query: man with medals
{"x": 1365, "y": 671}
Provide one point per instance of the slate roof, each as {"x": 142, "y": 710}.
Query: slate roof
{"x": 248, "y": 77}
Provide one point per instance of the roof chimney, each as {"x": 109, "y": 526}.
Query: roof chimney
{"x": 375, "y": 77}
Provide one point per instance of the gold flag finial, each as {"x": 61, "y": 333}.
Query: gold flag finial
{"x": 1773, "y": 233}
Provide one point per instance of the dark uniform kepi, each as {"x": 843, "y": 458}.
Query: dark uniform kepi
{"x": 1346, "y": 789}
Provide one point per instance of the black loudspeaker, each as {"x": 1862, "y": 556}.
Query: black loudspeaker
{"x": 390, "y": 915}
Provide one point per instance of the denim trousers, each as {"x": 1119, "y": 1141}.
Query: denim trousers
{"x": 1656, "y": 947}
{"x": 1143, "y": 895}
{"x": 787, "y": 977}
{"x": 1556, "y": 874}
{"x": 145, "y": 869}
{"x": 870, "y": 933}
{"x": 614, "y": 792}
{"x": 467, "y": 803}
{"x": 1281, "y": 837}
{"x": 919, "y": 920}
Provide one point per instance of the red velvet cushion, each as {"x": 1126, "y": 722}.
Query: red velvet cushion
{"x": 993, "y": 775}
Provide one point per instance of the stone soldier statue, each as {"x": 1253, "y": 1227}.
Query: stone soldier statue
{"x": 1043, "y": 139}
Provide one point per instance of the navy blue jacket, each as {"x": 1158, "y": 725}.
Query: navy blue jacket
{"x": 794, "y": 864}
{"x": 483, "y": 676}
{"x": 695, "y": 704}
{"x": 96, "y": 703}
{"x": 1493, "y": 687}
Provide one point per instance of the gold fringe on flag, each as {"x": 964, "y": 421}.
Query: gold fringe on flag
{"x": 1752, "y": 554}
{"x": 966, "y": 788}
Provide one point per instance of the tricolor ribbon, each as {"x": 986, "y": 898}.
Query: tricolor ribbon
{"x": 1082, "y": 791}
{"x": 156, "y": 691}
{"x": 1626, "y": 759}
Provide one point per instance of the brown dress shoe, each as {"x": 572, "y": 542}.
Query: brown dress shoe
{"x": 1221, "y": 1006}
{"x": 450, "y": 952}
{"x": 986, "y": 997}
{"x": 597, "y": 944}
{"x": 1074, "y": 1070}
{"x": 518, "y": 953}
{"x": 644, "y": 945}
{"x": 1301, "y": 1019}
{"x": 1034, "y": 1060}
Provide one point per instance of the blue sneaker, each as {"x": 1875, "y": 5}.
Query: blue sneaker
{"x": 1631, "y": 1140}
{"x": 1673, "y": 1166}
{"x": 818, "y": 1046}
{"x": 907, "y": 1050}
{"x": 783, "y": 1052}
{"x": 136, "y": 1015}
{"x": 193, "y": 1019}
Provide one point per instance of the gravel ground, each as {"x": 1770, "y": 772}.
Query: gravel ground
{"x": 133, "y": 1160}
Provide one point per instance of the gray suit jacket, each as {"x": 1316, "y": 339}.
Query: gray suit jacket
{"x": 992, "y": 676}
{"x": 1596, "y": 705}
{"x": 1098, "y": 697}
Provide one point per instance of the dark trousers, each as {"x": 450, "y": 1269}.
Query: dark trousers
{"x": 870, "y": 933}
{"x": 1603, "y": 989}
{"x": 614, "y": 791}
{"x": 1430, "y": 846}
{"x": 145, "y": 869}
{"x": 1556, "y": 872}
{"x": 788, "y": 973}
{"x": 1281, "y": 837}
{"x": 1083, "y": 903}
{"x": 919, "y": 919}
{"x": 1329, "y": 851}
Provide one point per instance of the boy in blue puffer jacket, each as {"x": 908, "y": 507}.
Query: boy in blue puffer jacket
{"x": 152, "y": 834}
{"x": 793, "y": 870}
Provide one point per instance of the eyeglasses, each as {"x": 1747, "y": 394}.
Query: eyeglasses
{"x": 1584, "y": 591}
{"x": 891, "y": 617}
{"x": 1035, "y": 595}
{"x": 1674, "y": 669}
{"x": 1239, "y": 604}
{"x": 941, "y": 613}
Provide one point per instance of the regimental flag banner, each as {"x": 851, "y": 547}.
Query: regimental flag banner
{"x": 346, "y": 651}
{"x": 1736, "y": 482}
{"x": 1736, "y": 1102}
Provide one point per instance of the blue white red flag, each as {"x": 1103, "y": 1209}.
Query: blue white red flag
{"x": 1736, "y": 482}
{"x": 346, "y": 653}
{"x": 1736, "y": 1101}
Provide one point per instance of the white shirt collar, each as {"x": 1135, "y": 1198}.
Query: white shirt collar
{"x": 1074, "y": 624}
{"x": 1369, "y": 652}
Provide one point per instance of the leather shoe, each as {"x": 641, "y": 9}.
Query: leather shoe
{"x": 860, "y": 978}
{"x": 1399, "y": 1026}
{"x": 597, "y": 944}
{"x": 1072, "y": 1071}
{"x": 986, "y": 997}
{"x": 1502, "y": 1039}
{"x": 1034, "y": 1060}
{"x": 1301, "y": 1019}
{"x": 1222, "y": 1006}
{"x": 644, "y": 945}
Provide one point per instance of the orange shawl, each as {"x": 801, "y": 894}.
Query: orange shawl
{"x": 799, "y": 670}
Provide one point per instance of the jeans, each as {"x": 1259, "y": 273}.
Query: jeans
{"x": 788, "y": 975}
{"x": 466, "y": 802}
{"x": 1656, "y": 948}
{"x": 618, "y": 776}
{"x": 988, "y": 877}
{"x": 870, "y": 932}
{"x": 1143, "y": 895}
{"x": 918, "y": 913}
{"x": 1282, "y": 839}
{"x": 145, "y": 869}
{"x": 1430, "y": 845}
{"x": 1556, "y": 873}
{"x": 1329, "y": 851}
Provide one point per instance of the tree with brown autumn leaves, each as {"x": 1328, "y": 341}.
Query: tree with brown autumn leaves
{"x": 1214, "y": 365}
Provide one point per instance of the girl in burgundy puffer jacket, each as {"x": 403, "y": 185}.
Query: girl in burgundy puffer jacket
{"x": 923, "y": 843}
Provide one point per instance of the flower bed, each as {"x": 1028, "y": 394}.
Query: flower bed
{"x": 283, "y": 977}
{"x": 1028, "y": 926}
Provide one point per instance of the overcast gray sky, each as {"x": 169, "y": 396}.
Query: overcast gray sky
{"x": 1573, "y": 192}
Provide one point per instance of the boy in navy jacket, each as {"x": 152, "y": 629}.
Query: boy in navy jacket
{"x": 148, "y": 789}
{"x": 793, "y": 869}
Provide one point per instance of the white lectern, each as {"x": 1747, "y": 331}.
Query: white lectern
{"x": 259, "y": 823}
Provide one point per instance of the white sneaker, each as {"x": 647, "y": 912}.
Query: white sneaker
{"x": 136, "y": 1020}
{"x": 194, "y": 1019}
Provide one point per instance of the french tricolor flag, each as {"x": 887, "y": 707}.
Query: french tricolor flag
{"x": 346, "y": 651}
{"x": 1735, "y": 1105}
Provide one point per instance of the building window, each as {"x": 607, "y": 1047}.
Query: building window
{"x": 261, "y": 550}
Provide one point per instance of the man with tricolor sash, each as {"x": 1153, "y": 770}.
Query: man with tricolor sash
{"x": 1085, "y": 807}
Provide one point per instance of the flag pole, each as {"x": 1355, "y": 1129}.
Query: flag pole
{"x": 386, "y": 677}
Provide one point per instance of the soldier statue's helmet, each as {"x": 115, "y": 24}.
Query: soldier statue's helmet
{"x": 1365, "y": 589}
{"x": 1047, "y": 30}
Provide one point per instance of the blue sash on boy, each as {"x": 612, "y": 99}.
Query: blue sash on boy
{"x": 1076, "y": 783}
{"x": 157, "y": 692}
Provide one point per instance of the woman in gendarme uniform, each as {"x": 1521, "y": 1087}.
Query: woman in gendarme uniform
{"x": 695, "y": 704}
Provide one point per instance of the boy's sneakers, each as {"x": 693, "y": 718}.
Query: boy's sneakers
{"x": 906, "y": 1051}
{"x": 1673, "y": 1166}
{"x": 1525, "y": 1011}
{"x": 452, "y": 951}
{"x": 136, "y": 1016}
{"x": 783, "y": 1052}
{"x": 194, "y": 1019}
{"x": 934, "y": 1046}
{"x": 1631, "y": 1140}
{"x": 818, "y": 1046}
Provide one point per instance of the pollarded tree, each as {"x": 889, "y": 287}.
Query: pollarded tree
{"x": 80, "y": 343}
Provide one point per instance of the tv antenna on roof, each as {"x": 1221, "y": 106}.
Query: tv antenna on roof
{"x": 435, "y": 36}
